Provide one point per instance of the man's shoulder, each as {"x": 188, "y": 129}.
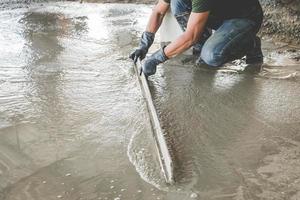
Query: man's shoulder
{"x": 201, "y": 5}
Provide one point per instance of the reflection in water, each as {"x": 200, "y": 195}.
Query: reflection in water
{"x": 96, "y": 26}
{"x": 41, "y": 32}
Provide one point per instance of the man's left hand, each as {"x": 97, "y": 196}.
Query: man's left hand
{"x": 149, "y": 67}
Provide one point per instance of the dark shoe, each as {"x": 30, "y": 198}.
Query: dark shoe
{"x": 253, "y": 68}
{"x": 255, "y": 55}
{"x": 199, "y": 61}
{"x": 197, "y": 49}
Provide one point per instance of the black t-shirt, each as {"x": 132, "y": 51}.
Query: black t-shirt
{"x": 224, "y": 9}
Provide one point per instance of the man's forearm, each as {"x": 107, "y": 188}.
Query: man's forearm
{"x": 157, "y": 16}
{"x": 182, "y": 43}
{"x": 194, "y": 30}
{"x": 154, "y": 22}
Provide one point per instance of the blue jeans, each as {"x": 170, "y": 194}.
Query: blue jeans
{"x": 232, "y": 38}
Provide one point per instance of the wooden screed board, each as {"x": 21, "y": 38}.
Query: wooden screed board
{"x": 164, "y": 156}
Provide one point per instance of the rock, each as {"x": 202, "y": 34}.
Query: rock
{"x": 194, "y": 195}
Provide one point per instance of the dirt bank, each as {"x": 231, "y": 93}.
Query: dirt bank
{"x": 282, "y": 19}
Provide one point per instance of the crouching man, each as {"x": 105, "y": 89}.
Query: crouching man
{"x": 235, "y": 24}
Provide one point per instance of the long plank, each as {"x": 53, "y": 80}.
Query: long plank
{"x": 164, "y": 155}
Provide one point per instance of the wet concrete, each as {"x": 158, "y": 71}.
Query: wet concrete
{"x": 234, "y": 133}
{"x": 73, "y": 123}
{"x": 70, "y": 104}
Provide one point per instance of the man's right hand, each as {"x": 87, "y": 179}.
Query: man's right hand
{"x": 139, "y": 53}
{"x": 145, "y": 43}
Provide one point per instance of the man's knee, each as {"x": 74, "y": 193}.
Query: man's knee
{"x": 175, "y": 8}
{"x": 212, "y": 57}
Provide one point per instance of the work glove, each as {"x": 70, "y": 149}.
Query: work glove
{"x": 150, "y": 64}
{"x": 145, "y": 43}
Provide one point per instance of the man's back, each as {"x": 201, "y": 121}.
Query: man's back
{"x": 225, "y": 9}
{"x": 228, "y": 9}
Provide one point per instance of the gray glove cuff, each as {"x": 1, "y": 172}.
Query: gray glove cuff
{"x": 147, "y": 40}
{"x": 159, "y": 56}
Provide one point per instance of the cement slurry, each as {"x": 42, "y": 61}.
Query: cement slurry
{"x": 234, "y": 133}
{"x": 73, "y": 123}
{"x": 71, "y": 111}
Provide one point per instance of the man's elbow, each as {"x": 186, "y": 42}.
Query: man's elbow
{"x": 160, "y": 9}
{"x": 158, "y": 14}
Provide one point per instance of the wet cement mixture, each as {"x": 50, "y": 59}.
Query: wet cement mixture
{"x": 234, "y": 133}
{"x": 73, "y": 122}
